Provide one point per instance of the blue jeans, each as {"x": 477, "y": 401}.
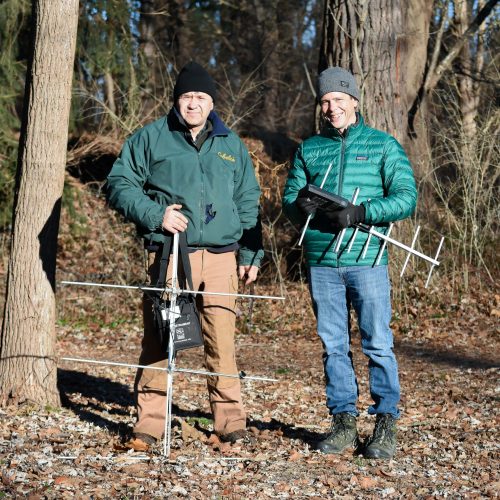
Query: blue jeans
{"x": 367, "y": 289}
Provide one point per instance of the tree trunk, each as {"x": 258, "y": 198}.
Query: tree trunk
{"x": 180, "y": 32}
{"x": 28, "y": 368}
{"x": 154, "y": 46}
{"x": 254, "y": 51}
{"x": 147, "y": 29}
{"x": 472, "y": 65}
{"x": 383, "y": 43}
{"x": 109, "y": 92}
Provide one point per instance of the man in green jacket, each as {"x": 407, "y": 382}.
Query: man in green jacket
{"x": 344, "y": 276}
{"x": 187, "y": 172}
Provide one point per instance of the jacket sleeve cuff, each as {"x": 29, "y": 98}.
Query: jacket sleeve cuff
{"x": 156, "y": 219}
{"x": 368, "y": 213}
{"x": 248, "y": 257}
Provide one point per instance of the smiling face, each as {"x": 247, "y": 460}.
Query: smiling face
{"x": 195, "y": 107}
{"x": 339, "y": 109}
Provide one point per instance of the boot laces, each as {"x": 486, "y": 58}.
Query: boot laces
{"x": 339, "y": 424}
{"x": 383, "y": 428}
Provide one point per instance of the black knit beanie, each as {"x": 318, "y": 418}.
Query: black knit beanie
{"x": 194, "y": 78}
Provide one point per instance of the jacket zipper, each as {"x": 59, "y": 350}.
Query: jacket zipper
{"x": 342, "y": 155}
{"x": 341, "y": 175}
{"x": 202, "y": 196}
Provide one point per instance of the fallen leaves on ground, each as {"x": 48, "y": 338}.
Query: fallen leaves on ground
{"x": 448, "y": 430}
{"x": 446, "y": 345}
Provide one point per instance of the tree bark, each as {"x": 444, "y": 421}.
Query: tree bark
{"x": 28, "y": 368}
{"x": 384, "y": 44}
{"x": 179, "y": 32}
{"x": 472, "y": 63}
{"x": 154, "y": 46}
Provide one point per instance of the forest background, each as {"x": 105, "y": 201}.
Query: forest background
{"x": 265, "y": 56}
{"x": 428, "y": 72}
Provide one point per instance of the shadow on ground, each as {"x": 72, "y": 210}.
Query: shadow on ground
{"x": 454, "y": 357}
{"x": 289, "y": 431}
{"x": 89, "y": 396}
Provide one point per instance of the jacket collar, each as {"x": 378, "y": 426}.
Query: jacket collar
{"x": 176, "y": 122}
{"x": 354, "y": 129}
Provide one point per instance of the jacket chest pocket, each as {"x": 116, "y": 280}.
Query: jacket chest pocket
{"x": 166, "y": 172}
{"x": 220, "y": 172}
{"x": 363, "y": 171}
{"x": 364, "y": 163}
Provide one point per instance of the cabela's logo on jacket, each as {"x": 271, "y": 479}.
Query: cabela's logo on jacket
{"x": 226, "y": 156}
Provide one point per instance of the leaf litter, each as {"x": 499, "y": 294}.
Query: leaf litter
{"x": 448, "y": 431}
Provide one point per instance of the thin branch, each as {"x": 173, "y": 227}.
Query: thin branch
{"x": 432, "y": 78}
{"x": 446, "y": 63}
{"x": 313, "y": 90}
{"x": 437, "y": 46}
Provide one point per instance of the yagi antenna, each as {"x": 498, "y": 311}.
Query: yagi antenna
{"x": 310, "y": 215}
{"x": 171, "y": 368}
{"x": 338, "y": 201}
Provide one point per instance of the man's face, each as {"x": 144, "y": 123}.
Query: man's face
{"x": 195, "y": 107}
{"x": 339, "y": 109}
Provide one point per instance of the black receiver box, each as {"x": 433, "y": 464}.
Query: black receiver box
{"x": 323, "y": 199}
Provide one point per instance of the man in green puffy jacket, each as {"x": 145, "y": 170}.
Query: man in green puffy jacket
{"x": 344, "y": 276}
{"x": 187, "y": 172}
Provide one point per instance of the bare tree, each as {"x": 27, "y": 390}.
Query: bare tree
{"x": 471, "y": 61}
{"x": 272, "y": 55}
{"x": 27, "y": 342}
{"x": 437, "y": 65}
{"x": 436, "y": 71}
{"x": 154, "y": 45}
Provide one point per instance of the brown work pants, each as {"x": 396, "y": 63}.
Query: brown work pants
{"x": 211, "y": 272}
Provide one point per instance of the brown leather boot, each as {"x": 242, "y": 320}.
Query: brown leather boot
{"x": 140, "y": 442}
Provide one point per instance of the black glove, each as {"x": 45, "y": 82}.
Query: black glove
{"x": 346, "y": 217}
{"x": 306, "y": 204}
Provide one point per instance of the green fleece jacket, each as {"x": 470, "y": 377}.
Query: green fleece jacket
{"x": 215, "y": 185}
{"x": 363, "y": 158}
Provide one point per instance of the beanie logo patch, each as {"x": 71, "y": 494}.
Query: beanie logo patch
{"x": 344, "y": 84}
{"x": 226, "y": 156}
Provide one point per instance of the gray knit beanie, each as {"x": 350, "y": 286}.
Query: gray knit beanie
{"x": 337, "y": 80}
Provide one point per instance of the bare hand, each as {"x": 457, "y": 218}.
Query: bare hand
{"x": 249, "y": 271}
{"x": 173, "y": 220}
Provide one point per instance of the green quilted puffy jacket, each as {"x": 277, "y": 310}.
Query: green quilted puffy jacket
{"x": 216, "y": 186}
{"x": 363, "y": 158}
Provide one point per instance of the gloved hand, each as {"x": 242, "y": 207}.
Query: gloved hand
{"x": 346, "y": 217}
{"x": 306, "y": 204}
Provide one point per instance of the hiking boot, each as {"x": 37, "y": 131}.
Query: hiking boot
{"x": 140, "y": 442}
{"x": 382, "y": 444}
{"x": 343, "y": 434}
